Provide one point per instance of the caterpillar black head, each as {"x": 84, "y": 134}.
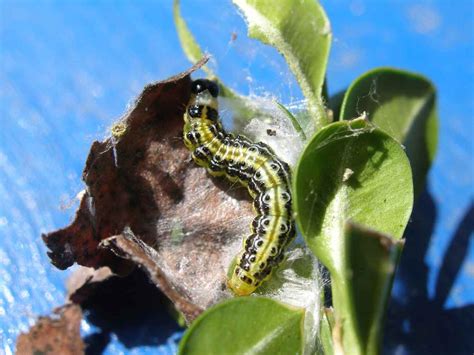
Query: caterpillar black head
{"x": 202, "y": 85}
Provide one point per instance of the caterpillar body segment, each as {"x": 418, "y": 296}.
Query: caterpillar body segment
{"x": 254, "y": 165}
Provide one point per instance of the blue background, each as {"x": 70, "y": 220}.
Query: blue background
{"x": 69, "y": 68}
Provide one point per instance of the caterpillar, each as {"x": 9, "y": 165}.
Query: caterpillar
{"x": 255, "y": 166}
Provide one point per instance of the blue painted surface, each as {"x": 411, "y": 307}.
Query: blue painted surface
{"x": 69, "y": 68}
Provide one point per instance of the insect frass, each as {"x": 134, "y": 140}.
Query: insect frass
{"x": 255, "y": 166}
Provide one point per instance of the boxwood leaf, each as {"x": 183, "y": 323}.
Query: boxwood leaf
{"x": 326, "y": 332}
{"x": 193, "y": 51}
{"x": 246, "y": 325}
{"x": 300, "y": 31}
{"x": 293, "y": 120}
{"x": 353, "y": 172}
{"x": 191, "y": 48}
{"x": 403, "y": 104}
{"x": 362, "y": 287}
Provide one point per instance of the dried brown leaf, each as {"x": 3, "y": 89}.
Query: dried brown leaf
{"x": 132, "y": 248}
{"x": 167, "y": 214}
{"x": 57, "y": 334}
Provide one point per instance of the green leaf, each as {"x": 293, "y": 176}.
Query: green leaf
{"x": 403, "y": 104}
{"x": 351, "y": 171}
{"x": 193, "y": 51}
{"x": 300, "y": 31}
{"x": 296, "y": 282}
{"x": 326, "y": 332}
{"x": 189, "y": 44}
{"x": 293, "y": 120}
{"x": 246, "y": 325}
{"x": 362, "y": 287}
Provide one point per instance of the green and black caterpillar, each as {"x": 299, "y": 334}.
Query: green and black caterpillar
{"x": 254, "y": 165}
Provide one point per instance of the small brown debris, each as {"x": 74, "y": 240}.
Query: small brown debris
{"x": 56, "y": 334}
{"x": 271, "y": 132}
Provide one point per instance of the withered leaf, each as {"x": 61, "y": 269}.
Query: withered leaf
{"x": 132, "y": 248}
{"x": 164, "y": 213}
{"x": 57, "y": 334}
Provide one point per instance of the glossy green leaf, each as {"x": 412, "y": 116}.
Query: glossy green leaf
{"x": 351, "y": 171}
{"x": 246, "y": 325}
{"x": 403, "y": 104}
{"x": 300, "y": 31}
